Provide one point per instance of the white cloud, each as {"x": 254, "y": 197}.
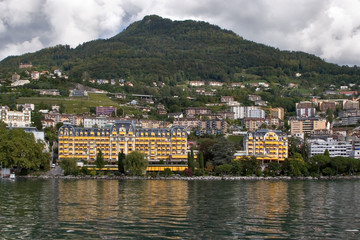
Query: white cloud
{"x": 21, "y": 48}
{"x": 73, "y": 22}
{"x": 327, "y": 28}
{"x": 18, "y": 12}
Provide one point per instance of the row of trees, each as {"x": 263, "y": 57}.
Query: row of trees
{"x": 134, "y": 163}
{"x": 294, "y": 166}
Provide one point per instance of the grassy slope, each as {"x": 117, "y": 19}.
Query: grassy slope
{"x": 76, "y": 105}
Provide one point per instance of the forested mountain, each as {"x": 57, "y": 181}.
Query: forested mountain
{"x": 157, "y": 49}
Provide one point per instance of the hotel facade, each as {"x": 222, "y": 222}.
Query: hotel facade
{"x": 15, "y": 118}
{"x": 266, "y": 145}
{"x": 167, "y": 144}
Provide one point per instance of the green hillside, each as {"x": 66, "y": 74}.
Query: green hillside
{"x": 157, "y": 49}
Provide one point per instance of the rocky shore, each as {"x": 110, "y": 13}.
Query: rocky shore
{"x": 199, "y": 178}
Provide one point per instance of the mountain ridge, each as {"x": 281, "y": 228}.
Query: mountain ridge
{"x": 155, "y": 48}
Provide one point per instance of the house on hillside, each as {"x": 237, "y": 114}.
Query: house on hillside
{"x": 216, "y": 84}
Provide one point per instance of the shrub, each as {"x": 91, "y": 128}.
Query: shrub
{"x": 223, "y": 169}
{"x": 188, "y": 172}
{"x": 328, "y": 171}
{"x": 167, "y": 172}
{"x": 236, "y": 167}
{"x": 84, "y": 170}
{"x": 199, "y": 172}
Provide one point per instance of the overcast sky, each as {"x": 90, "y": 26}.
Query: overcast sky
{"x": 329, "y": 29}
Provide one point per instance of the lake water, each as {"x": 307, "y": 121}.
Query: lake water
{"x": 172, "y": 209}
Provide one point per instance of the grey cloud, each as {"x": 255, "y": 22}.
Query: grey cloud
{"x": 327, "y": 28}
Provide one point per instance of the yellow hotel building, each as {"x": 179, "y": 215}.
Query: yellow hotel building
{"x": 267, "y": 145}
{"x": 167, "y": 144}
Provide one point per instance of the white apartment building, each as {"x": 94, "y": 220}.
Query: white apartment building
{"x": 15, "y": 118}
{"x": 335, "y": 148}
{"x": 100, "y": 122}
{"x": 241, "y": 112}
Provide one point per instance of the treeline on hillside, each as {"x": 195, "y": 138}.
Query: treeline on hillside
{"x": 157, "y": 49}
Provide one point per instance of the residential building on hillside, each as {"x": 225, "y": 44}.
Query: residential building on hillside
{"x": 241, "y": 112}
{"x": 348, "y": 93}
{"x": 100, "y": 121}
{"x": 188, "y": 123}
{"x": 120, "y": 95}
{"x": 192, "y": 111}
{"x": 160, "y": 109}
{"x": 52, "y": 92}
{"x": 305, "y": 109}
{"x": 254, "y": 98}
{"x": 157, "y": 144}
{"x": 238, "y": 85}
{"x": 325, "y": 105}
{"x": 273, "y": 122}
{"x": 351, "y": 105}
{"x": 260, "y": 103}
{"x": 75, "y": 120}
{"x": 306, "y": 125}
{"x": 107, "y": 110}
{"x": 349, "y": 113}
{"x": 278, "y": 113}
{"x": 216, "y": 84}
{"x": 15, "y": 77}
{"x": 226, "y": 115}
{"x": 252, "y": 124}
{"x": 35, "y": 75}
{"x": 25, "y": 65}
{"x": 78, "y": 93}
{"x": 196, "y": 83}
{"x": 226, "y": 99}
{"x": 355, "y": 153}
{"x": 19, "y": 83}
{"x": 15, "y": 118}
{"x": 267, "y": 145}
{"x": 347, "y": 121}
{"x": 57, "y": 72}
{"x": 176, "y": 115}
{"x": 335, "y": 148}
{"x": 48, "y": 123}
{"x": 152, "y": 123}
{"x": 200, "y": 91}
{"x": 25, "y": 105}
{"x": 211, "y": 127}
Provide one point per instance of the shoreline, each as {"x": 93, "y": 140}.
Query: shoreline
{"x": 195, "y": 178}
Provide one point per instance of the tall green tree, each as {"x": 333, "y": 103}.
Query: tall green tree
{"x": 205, "y": 147}
{"x": 250, "y": 166}
{"x": 326, "y": 153}
{"x": 69, "y": 166}
{"x": 136, "y": 163}
{"x": 121, "y": 159}
{"x": 223, "y": 151}
{"x": 50, "y": 136}
{"x": 36, "y": 118}
{"x": 200, "y": 159}
{"x": 317, "y": 162}
{"x": 18, "y": 148}
{"x": 99, "y": 162}
{"x": 191, "y": 161}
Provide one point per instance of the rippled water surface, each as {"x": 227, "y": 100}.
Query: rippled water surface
{"x": 171, "y": 209}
